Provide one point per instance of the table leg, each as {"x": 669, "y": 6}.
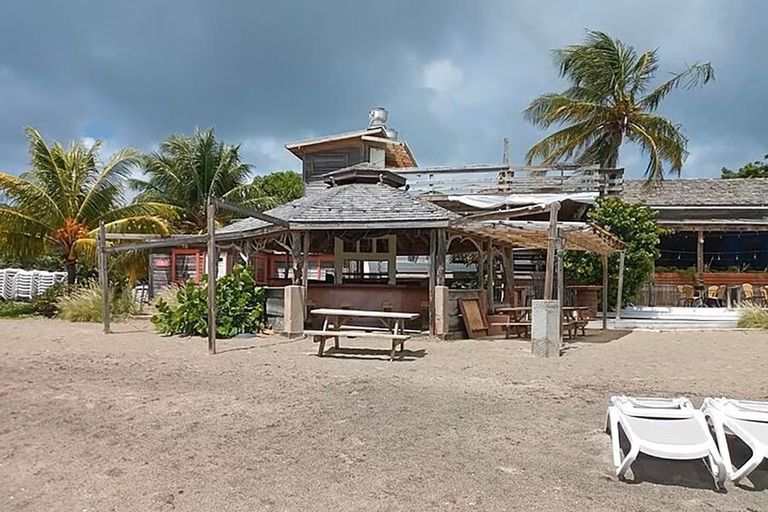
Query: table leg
{"x": 321, "y": 346}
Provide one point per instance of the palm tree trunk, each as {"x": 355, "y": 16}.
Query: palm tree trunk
{"x": 70, "y": 271}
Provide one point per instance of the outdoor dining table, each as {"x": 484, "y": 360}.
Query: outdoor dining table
{"x": 519, "y": 315}
{"x": 392, "y": 321}
{"x": 335, "y": 325}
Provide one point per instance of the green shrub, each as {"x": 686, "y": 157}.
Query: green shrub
{"x": 239, "y": 307}
{"x": 754, "y": 318}
{"x": 13, "y": 309}
{"x": 86, "y": 305}
{"x": 47, "y": 303}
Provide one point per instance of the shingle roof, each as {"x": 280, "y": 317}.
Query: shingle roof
{"x": 357, "y": 203}
{"x": 699, "y": 192}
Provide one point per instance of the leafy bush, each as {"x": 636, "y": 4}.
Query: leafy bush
{"x": 13, "y": 309}
{"x": 239, "y": 307}
{"x": 754, "y": 318}
{"x": 85, "y": 305}
{"x": 634, "y": 224}
{"x": 47, "y": 303}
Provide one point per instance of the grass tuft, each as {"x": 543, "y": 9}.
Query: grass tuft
{"x": 754, "y": 318}
{"x": 85, "y": 305}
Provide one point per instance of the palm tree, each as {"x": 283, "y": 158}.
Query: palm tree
{"x": 608, "y": 103}
{"x": 58, "y": 204}
{"x": 188, "y": 170}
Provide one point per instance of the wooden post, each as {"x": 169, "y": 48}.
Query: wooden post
{"x": 305, "y": 264}
{"x": 432, "y": 279}
{"x": 489, "y": 279}
{"x": 551, "y": 249}
{"x": 621, "y": 285}
{"x": 440, "y": 255}
{"x": 213, "y": 265}
{"x": 560, "y": 279}
{"x": 508, "y": 262}
{"x": 103, "y": 274}
{"x": 700, "y": 251}
{"x": 605, "y": 291}
{"x": 296, "y": 258}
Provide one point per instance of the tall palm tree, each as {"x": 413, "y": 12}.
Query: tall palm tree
{"x": 188, "y": 170}
{"x": 58, "y": 204}
{"x": 610, "y": 102}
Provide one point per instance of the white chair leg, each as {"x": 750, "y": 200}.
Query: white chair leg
{"x": 746, "y": 469}
{"x": 722, "y": 442}
{"x": 627, "y": 462}
{"x": 622, "y": 466}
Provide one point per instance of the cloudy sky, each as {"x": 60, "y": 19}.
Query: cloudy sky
{"x": 454, "y": 74}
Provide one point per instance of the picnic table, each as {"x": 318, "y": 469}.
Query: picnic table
{"x": 520, "y": 320}
{"x": 335, "y": 325}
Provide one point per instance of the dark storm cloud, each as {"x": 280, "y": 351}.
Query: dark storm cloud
{"x": 454, "y": 74}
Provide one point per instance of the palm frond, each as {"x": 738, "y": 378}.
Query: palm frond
{"x": 695, "y": 75}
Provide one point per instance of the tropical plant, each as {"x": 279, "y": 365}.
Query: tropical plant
{"x": 187, "y": 171}
{"x": 14, "y": 309}
{"x": 85, "y": 304}
{"x": 610, "y": 102}
{"x": 753, "y": 318}
{"x": 239, "y": 307}
{"x": 756, "y": 169}
{"x": 57, "y": 205}
{"x": 634, "y": 224}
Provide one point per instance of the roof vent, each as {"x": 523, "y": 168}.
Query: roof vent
{"x": 377, "y": 117}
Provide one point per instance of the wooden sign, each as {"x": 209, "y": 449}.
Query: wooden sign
{"x": 474, "y": 318}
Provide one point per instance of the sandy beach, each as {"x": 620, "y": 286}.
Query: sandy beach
{"x": 136, "y": 421}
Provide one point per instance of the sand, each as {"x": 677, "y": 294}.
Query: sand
{"x": 135, "y": 421}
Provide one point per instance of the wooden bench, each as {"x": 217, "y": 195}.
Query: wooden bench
{"x": 321, "y": 337}
{"x": 525, "y": 327}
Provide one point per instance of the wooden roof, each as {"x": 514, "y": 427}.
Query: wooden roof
{"x": 579, "y": 236}
{"x": 398, "y": 154}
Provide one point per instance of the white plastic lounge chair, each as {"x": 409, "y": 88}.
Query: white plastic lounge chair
{"x": 667, "y": 428}
{"x": 748, "y": 421}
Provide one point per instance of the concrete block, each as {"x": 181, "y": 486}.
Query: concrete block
{"x": 293, "y": 311}
{"x": 546, "y": 337}
{"x": 441, "y": 310}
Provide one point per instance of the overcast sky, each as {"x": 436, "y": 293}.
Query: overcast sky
{"x": 455, "y": 75}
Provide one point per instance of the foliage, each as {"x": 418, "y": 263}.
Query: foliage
{"x": 57, "y": 205}
{"x": 239, "y": 307}
{"x": 270, "y": 190}
{"x": 756, "y": 169}
{"x": 754, "y": 318}
{"x": 608, "y": 103}
{"x": 47, "y": 303}
{"x": 13, "y": 309}
{"x": 85, "y": 304}
{"x": 634, "y": 224}
{"x": 188, "y": 170}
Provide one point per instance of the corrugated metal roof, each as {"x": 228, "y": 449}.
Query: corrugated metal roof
{"x": 699, "y": 192}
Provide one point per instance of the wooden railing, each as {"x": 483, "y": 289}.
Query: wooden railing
{"x": 504, "y": 179}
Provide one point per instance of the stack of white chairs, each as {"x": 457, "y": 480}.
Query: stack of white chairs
{"x": 18, "y": 284}
{"x": 9, "y": 287}
{"x": 23, "y": 288}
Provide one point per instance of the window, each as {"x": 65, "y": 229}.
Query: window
{"x": 186, "y": 264}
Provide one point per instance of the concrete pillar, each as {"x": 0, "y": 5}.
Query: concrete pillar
{"x": 546, "y": 338}
{"x": 293, "y": 310}
{"x": 441, "y": 311}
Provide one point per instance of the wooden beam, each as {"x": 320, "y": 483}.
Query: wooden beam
{"x": 103, "y": 275}
{"x": 213, "y": 265}
{"x": 157, "y": 244}
{"x": 501, "y": 214}
{"x": 622, "y": 254}
{"x": 147, "y": 237}
{"x": 551, "y": 249}
{"x": 605, "y": 291}
{"x": 508, "y": 262}
{"x": 242, "y": 210}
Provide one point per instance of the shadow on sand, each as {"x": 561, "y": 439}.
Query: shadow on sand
{"x": 372, "y": 354}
